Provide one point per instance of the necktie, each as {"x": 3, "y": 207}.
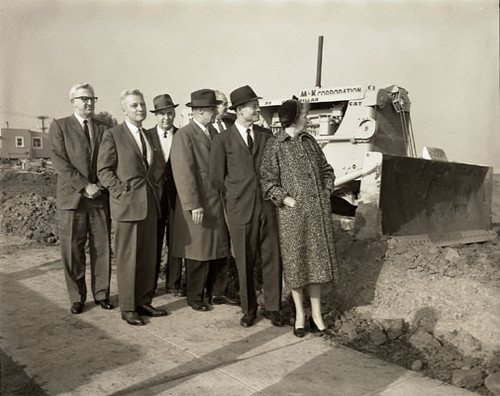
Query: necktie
{"x": 87, "y": 131}
{"x": 144, "y": 148}
{"x": 207, "y": 132}
{"x": 249, "y": 139}
{"x": 219, "y": 125}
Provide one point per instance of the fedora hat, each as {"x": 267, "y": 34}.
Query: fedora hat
{"x": 161, "y": 102}
{"x": 241, "y": 96}
{"x": 203, "y": 98}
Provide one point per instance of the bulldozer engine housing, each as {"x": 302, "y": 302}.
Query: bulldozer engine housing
{"x": 366, "y": 135}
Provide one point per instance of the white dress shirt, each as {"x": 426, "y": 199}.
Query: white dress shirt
{"x": 165, "y": 142}
{"x": 137, "y": 138}
{"x": 216, "y": 125}
{"x": 89, "y": 123}
{"x": 243, "y": 131}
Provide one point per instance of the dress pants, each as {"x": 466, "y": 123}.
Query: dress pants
{"x": 258, "y": 238}
{"x": 196, "y": 278}
{"x": 135, "y": 246}
{"x": 75, "y": 227}
{"x": 174, "y": 264}
{"x": 218, "y": 279}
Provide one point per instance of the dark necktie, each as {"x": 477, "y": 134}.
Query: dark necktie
{"x": 249, "y": 139}
{"x": 219, "y": 124}
{"x": 144, "y": 148}
{"x": 87, "y": 131}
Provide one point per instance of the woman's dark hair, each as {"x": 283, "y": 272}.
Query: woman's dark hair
{"x": 289, "y": 111}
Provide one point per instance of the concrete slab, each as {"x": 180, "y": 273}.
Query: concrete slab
{"x": 185, "y": 353}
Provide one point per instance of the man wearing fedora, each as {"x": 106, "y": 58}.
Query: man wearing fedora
{"x": 200, "y": 234}
{"x": 162, "y": 134}
{"x": 130, "y": 166}
{"x": 234, "y": 168}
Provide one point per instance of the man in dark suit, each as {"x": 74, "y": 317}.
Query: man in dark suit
{"x": 234, "y": 168}
{"x": 223, "y": 119}
{"x": 83, "y": 208}
{"x": 217, "y": 281}
{"x": 130, "y": 166}
{"x": 162, "y": 134}
{"x": 200, "y": 233}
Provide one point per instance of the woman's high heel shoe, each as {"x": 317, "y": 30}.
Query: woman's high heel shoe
{"x": 300, "y": 332}
{"x": 312, "y": 325}
{"x": 326, "y": 332}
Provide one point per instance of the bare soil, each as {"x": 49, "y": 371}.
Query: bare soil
{"x": 433, "y": 310}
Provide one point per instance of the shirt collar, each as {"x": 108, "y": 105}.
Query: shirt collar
{"x": 161, "y": 131}
{"x": 241, "y": 128}
{"x": 81, "y": 119}
{"x": 131, "y": 126}
{"x": 203, "y": 127}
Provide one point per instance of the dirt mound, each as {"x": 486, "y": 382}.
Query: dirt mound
{"x": 15, "y": 182}
{"x": 435, "y": 310}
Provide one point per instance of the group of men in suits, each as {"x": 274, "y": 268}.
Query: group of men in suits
{"x": 197, "y": 186}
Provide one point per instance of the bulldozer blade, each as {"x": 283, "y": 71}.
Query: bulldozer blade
{"x": 439, "y": 202}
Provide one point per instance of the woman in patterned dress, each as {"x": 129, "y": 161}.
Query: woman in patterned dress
{"x": 296, "y": 177}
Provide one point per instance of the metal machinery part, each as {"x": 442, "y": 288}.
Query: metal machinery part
{"x": 366, "y": 135}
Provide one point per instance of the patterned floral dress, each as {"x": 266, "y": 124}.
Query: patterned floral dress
{"x": 297, "y": 167}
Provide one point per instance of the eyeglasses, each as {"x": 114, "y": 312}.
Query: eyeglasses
{"x": 86, "y": 99}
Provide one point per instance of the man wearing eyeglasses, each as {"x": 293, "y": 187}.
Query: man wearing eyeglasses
{"x": 82, "y": 202}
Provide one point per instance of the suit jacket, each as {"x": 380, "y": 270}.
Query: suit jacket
{"x": 74, "y": 160}
{"x": 235, "y": 170}
{"x": 169, "y": 192}
{"x": 122, "y": 170}
{"x": 190, "y": 164}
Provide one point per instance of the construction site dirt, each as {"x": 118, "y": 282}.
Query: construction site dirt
{"x": 430, "y": 309}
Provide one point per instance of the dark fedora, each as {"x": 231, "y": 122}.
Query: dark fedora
{"x": 241, "y": 96}
{"x": 161, "y": 102}
{"x": 203, "y": 98}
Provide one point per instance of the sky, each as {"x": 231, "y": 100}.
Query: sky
{"x": 444, "y": 53}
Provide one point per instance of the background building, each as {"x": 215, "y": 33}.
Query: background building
{"x": 23, "y": 144}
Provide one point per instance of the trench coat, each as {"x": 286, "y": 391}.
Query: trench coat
{"x": 298, "y": 168}
{"x": 190, "y": 155}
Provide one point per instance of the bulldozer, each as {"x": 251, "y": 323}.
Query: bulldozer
{"x": 381, "y": 187}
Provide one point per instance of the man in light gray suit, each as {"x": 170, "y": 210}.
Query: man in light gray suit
{"x": 130, "y": 166}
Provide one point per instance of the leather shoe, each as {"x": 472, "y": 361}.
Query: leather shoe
{"x": 176, "y": 292}
{"x": 76, "y": 308}
{"x": 149, "y": 310}
{"x": 300, "y": 332}
{"x": 132, "y": 318}
{"x": 247, "y": 320}
{"x": 104, "y": 303}
{"x": 275, "y": 318}
{"x": 199, "y": 306}
{"x": 218, "y": 300}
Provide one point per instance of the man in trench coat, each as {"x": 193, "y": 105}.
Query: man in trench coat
{"x": 200, "y": 233}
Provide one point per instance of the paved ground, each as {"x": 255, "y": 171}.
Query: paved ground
{"x": 186, "y": 353}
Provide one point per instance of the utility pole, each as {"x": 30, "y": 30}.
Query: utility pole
{"x": 43, "y": 118}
